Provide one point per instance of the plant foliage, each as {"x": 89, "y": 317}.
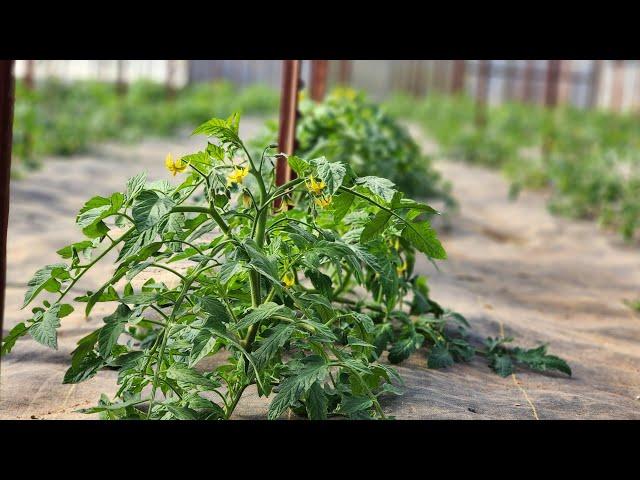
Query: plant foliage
{"x": 275, "y": 295}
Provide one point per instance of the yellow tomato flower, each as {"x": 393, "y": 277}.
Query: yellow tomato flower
{"x": 315, "y": 187}
{"x": 237, "y": 176}
{"x": 289, "y": 280}
{"x": 344, "y": 92}
{"x": 174, "y": 166}
{"x": 323, "y": 202}
{"x": 402, "y": 268}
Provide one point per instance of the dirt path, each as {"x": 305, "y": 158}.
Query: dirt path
{"x": 512, "y": 267}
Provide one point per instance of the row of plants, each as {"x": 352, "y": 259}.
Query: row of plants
{"x": 588, "y": 159}
{"x": 347, "y": 127}
{"x": 304, "y": 300}
{"x": 59, "y": 118}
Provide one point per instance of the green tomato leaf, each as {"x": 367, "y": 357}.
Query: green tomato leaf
{"x": 149, "y": 208}
{"x": 184, "y": 374}
{"x": 10, "y": 340}
{"x": 45, "y": 278}
{"x": 439, "y": 357}
{"x": 381, "y": 187}
{"x": 262, "y": 312}
{"x": 331, "y": 173}
{"x": 44, "y": 331}
{"x": 316, "y": 403}
{"x": 424, "y": 238}
{"x": 113, "y": 328}
{"x": 292, "y": 388}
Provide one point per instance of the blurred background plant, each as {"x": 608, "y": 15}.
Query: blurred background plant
{"x": 586, "y": 158}
{"x": 59, "y": 118}
{"x": 348, "y": 127}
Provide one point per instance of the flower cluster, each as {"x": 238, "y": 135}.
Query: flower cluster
{"x": 317, "y": 188}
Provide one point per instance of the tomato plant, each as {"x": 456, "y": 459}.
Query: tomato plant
{"x": 300, "y": 300}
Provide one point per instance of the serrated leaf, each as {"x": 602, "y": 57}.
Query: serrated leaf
{"x": 135, "y": 185}
{"x": 331, "y": 173}
{"x": 316, "y": 403}
{"x": 298, "y": 165}
{"x": 353, "y": 404}
{"x": 403, "y": 348}
{"x": 381, "y": 187}
{"x": 203, "y": 345}
{"x": 95, "y": 210}
{"x": 439, "y": 357}
{"x": 149, "y": 208}
{"x": 502, "y": 365}
{"x": 112, "y": 329}
{"x": 214, "y": 308}
{"x": 45, "y": 278}
{"x": 260, "y": 313}
{"x": 292, "y": 388}
{"x": 270, "y": 345}
{"x": 67, "y": 252}
{"x": 144, "y": 298}
{"x": 229, "y": 270}
{"x": 182, "y": 413}
{"x": 45, "y": 330}
{"x": 86, "y": 368}
{"x": 424, "y": 238}
{"x": 182, "y": 373}
{"x": 375, "y": 226}
{"x": 341, "y": 205}
{"x": 10, "y": 340}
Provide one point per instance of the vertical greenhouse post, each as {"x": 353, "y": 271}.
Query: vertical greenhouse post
{"x": 288, "y": 117}
{"x": 6, "y": 132}
{"x": 318, "y": 86}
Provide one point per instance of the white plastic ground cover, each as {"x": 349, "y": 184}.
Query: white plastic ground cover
{"x": 512, "y": 268}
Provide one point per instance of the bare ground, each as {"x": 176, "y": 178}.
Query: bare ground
{"x": 512, "y": 268}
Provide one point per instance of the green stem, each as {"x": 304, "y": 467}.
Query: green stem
{"x": 211, "y": 211}
{"x": 170, "y": 320}
{"x": 96, "y": 260}
{"x": 236, "y": 399}
{"x": 168, "y": 269}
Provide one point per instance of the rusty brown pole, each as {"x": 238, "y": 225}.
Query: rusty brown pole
{"x": 288, "y": 117}
{"x": 6, "y": 132}
{"x": 482, "y": 92}
{"x": 318, "y": 86}
{"x": 346, "y": 70}
{"x": 457, "y": 77}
